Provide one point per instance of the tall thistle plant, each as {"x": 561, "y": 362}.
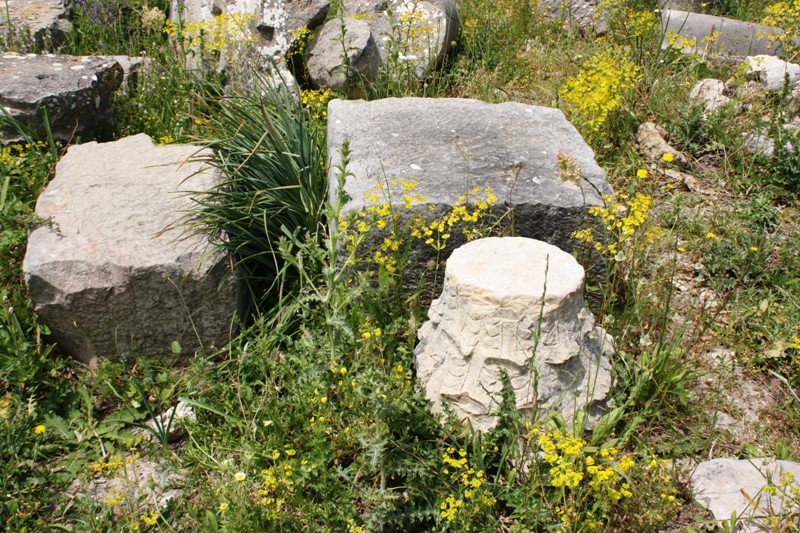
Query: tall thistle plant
{"x": 272, "y": 158}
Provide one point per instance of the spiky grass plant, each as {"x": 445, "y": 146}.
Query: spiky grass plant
{"x": 272, "y": 158}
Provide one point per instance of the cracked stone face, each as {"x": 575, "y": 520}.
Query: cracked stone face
{"x": 516, "y": 305}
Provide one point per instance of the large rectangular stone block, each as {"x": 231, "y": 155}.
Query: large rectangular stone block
{"x": 449, "y": 146}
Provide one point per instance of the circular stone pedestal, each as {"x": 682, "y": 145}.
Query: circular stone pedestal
{"x": 516, "y": 304}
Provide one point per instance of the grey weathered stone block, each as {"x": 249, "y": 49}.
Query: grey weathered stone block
{"x": 110, "y": 272}
{"x": 45, "y": 21}
{"x": 75, "y": 92}
{"x": 450, "y": 146}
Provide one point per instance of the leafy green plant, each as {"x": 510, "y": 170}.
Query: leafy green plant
{"x": 124, "y": 27}
{"x": 699, "y": 133}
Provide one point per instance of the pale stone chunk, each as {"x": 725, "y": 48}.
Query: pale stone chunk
{"x": 110, "y": 272}
{"x": 513, "y": 304}
{"x": 726, "y": 486}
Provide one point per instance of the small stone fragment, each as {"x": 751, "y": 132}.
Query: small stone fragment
{"x": 773, "y": 72}
{"x": 653, "y": 146}
{"x": 709, "y": 93}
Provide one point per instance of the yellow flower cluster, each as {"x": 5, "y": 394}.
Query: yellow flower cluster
{"x": 417, "y": 34}
{"x": 228, "y": 35}
{"x": 300, "y": 39}
{"x": 601, "y": 86}
{"x": 13, "y": 154}
{"x": 368, "y": 332}
{"x": 401, "y": 375}
{"x": 150, "y": 518}
{"x": 675, "y": 40}
{"x": 316, "y": 102}
{"x": 114, "y": 498}
{"x": 380, "y": 213}
{"x": 109, "y": 466}
{"x": 280, "y": 481}
{"x": 575, "y": 467}
{"x": 658, "y": 471}
{"x": 473, "y": 495}
{"x": 785, "y": 15}
{"x": 623, "y": 219}
{"x": 437, "y": 232}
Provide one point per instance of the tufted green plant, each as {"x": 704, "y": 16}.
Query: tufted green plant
{"x": 272, "y": 159}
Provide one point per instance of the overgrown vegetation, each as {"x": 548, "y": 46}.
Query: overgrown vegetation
{"x": 311, "y": 418}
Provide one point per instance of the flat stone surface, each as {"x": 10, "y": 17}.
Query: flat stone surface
{"x": 718, "y": 484}
{"x": 515, "y": 269}
{"x": 75, "y": 91}
{"x": 736, "y": 39}
{"x": 110, "y": 272}
{"x": 450, "y": 146}
{"x": 513, "y": 304}
{"x": 45, "y": 20}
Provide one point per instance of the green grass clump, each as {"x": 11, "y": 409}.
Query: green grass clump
{"x": 272, "y": 158}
